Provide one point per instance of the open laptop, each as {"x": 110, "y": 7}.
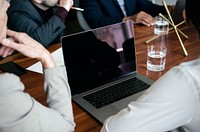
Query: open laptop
{"x": 101, "y": 68}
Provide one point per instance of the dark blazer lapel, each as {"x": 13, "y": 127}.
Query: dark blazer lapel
{"x": 117, "y": 4}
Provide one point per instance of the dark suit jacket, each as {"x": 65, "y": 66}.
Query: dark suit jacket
{"x": 23, "y": 17}
{"x": 104, "y": 12}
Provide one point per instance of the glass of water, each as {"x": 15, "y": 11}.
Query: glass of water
{"x": 161, "y": 26}
{"x": 156, "y": 57}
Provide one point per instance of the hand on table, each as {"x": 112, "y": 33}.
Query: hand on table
{"x": 28, "y": 47}
{"x": 141, "y": 17}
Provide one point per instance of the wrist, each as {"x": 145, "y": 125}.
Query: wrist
{"x": 47, "y": 60}
{"x": 125, "y": 19}
{"x": 65, "y": 7}
{"x": 62, "y": 13}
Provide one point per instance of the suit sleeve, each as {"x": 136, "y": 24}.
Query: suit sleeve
{"x": 44, "y": 33}
{"x": 20, "y": 112}
{"x": 99, "y": 15}
{"x": 150, "y": 8}
{"x": 59, "y": 93}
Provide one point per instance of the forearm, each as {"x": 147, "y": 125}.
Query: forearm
{"x": 58, "y": 93}
{"x": 97, "y": 15}
{"x": 61, "y": 12}
{"x": 94, "y": 20}
{"x": 150, "y": 8}
{"x": 154, "y": 10}
{"x": 45, "y": 33}
{"x": 46, "y": 60}
{"x": 159, "y": 104}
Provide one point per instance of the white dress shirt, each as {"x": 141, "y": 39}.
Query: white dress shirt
{"x": 172, "y": 101}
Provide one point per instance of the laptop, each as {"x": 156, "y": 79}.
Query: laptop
{"x": 101, "y": 69}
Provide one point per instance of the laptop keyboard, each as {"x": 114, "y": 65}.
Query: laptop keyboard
{"x": 116, "y": 92}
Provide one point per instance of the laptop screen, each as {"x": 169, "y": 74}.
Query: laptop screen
{"x": 98, "y": 56}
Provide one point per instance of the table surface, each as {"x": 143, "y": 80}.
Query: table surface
{"x": 175, "y": 55}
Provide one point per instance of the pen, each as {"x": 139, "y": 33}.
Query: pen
{"x": 77, "y": 8}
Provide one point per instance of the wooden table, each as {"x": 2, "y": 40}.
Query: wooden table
{"x": 84, "y": 122}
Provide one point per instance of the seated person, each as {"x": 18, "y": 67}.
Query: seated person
{"x": 20, "y": 112}
{"x": 171, "y": 102}
{"x": 105, "y": 12}
{"x": 40, "y": 19}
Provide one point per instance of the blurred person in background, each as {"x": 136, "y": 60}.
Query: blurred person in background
{"x": 100, "y": 13}
{"x": 43, "y": 20}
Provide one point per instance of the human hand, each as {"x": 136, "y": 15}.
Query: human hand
{"x": 188, "y": 21}
{"x": 67, "y": 4}
{"x": 6, "y": 51}
{"x": 184, "y": 14}
{"x": 28, "y": 47}
{"x": 141, "y": 17}
{"x": 3, "y": 17}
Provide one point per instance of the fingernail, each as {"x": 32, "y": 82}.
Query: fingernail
{"x": 10, "y": 53}
{"x": 5, "y": 41}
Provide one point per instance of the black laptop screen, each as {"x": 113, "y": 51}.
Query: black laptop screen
{"x": 97, "y": 56}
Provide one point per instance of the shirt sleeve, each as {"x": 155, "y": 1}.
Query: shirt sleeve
{"x": 61, "y": 12}
{"x": 59, "y": 93}
{"x": 20, "y": 112}
{"x": 161, "y": 108}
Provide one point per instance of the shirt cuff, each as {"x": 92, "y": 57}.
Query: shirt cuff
{"x": 61, "y": 12}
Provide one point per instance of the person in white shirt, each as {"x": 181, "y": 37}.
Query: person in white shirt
{"x": 172, "y": 101}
